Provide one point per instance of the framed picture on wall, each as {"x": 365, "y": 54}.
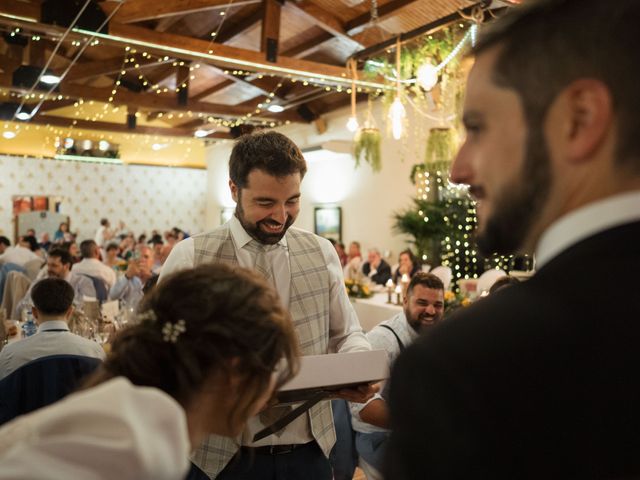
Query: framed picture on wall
{"x": 327, "y": 222}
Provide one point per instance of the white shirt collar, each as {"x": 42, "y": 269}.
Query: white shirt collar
{"x": 53, "y": 325}
{"x": 241, "y": 237}
{"x": 585, "y": 222}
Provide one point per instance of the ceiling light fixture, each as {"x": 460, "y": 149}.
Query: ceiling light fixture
{"x": 275, "y": 108}
{"x": 9, "y": 134}
{"x": 50, "y": 79}
{"x": 22, "y": 115}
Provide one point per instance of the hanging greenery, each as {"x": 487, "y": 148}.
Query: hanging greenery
{"x": 367, "y": 147}
{"x": 440, "y": 145}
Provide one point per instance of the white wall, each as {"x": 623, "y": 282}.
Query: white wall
{"x": 145, "y": 198}
{"x": 368, "y": 199}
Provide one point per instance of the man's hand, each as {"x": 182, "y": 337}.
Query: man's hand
{"x": 358, "y": 395}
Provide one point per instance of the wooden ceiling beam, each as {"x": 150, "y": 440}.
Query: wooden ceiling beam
{"x": 141, "y": 10}
{"x": 187, "y": 44}
{"x": 270, "y": 35}
{"x": 21, "y": 9}
{"x": 386, "y": 10}
{"x": 115, "y": 127}
{"x": 322, "y": 18}
{"x": 241, "y": 21}
{"x": 211, "y": 90}
{"x": 109, "y": 66}
{"x": 303, "y": 49}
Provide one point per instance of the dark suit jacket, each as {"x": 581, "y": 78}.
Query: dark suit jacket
{"x": 540, "y": 380}
{"x": 383, "y": 272}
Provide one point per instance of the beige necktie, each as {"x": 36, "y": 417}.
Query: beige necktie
{"x": 259, "y": 251}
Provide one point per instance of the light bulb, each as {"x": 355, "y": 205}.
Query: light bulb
{"x": 352, "y": 124}
{"x": 396, "y": 115}
{"x": 427, "y": 76}
{"x": 23, "y": 115}
{"x": 8, "y": 134}
{"x": 50, "y": 79}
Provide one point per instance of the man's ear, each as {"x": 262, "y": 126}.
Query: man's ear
{"x": 234, "y": 190}
{"x": 590, "y": 116}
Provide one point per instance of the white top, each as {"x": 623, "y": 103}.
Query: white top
{"x": 95, "y": 268}
{"x": 112, "y": 431}
{"x": 53, "y": 338}
{"x": 18, "y": 255}
{"x": 585, "y": 222}
{"x": 382, "y": 339}
{"x": 342, "y": 316}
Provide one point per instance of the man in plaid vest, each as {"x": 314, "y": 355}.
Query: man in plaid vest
{"x": 265, "y": 171}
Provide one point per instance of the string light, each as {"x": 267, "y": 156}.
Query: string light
{"x": 397, "y": 112}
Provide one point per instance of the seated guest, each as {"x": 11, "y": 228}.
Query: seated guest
{"x": 502, "y": 282}
{"x": 423, "y": 308}
{"x": 130, "y": 286}
{"x": 18, "y": 255}
{"x": 72, "y": 247}
{"x": 45, "y": 241}
{"x": 52, "y": 309}
{"x": 158, "y": 255}
{"x": 30, "y": 242}
{"x": 59, "y": 266}
{"x": 201, "y": 361}
{"x": 354, "y": 261}
{"x": 376, "y": 268}
{"x": 407, "y": 264}
{"x": 62, "y": 234}
{"x": 111, "y": 258}
{"x": 92, "y": 266}
{"x": 342, "y": 255}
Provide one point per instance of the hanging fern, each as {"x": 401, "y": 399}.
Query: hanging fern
{"x": 367, "y": 147}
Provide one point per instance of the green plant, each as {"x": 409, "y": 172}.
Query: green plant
{"x": 367, "y": 147}
{"x": 440, "y": 145}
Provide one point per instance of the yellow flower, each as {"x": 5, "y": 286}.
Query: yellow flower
{"x": 449, "y": 296}
{"x": 465, "y": 302}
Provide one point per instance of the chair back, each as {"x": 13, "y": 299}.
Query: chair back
{"x": 488, "y": 278}
{"x": 102, "y": 291}
{"x": 32, "y": 268}
{"x": 5, "y": 268}
{"x": 15, "y": 288}
{"x": 42, "y": 382}
{"x": 444, "y": 274}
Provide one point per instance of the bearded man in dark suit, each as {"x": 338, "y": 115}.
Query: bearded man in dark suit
{"x": 540, "y": 380}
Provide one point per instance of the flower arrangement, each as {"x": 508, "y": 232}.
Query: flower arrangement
{"x": 356, "y": 289}
{"x": 453, "y": 301}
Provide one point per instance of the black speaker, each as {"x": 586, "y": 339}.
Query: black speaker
{"x": 306, "y": 113}
{"x": 7, "y": 109}
{"x": 62, "y": 12}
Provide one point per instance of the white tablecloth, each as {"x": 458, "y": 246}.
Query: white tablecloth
{"x": 372, "y": 311}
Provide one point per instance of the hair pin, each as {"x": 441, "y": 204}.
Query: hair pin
{"x": 171, "y": 331}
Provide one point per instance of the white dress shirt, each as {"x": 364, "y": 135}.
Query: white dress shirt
{"x": 585, "y": 222}
{"x": 95, "y": 268}
{"x": 112, "y": 431}
{"x": 129, "y": 290}
{"x": 381, "y": 338}
{"x": 345, "y": 331}
{"x": 53, "y": 338}
{"x": 18, "y": 255}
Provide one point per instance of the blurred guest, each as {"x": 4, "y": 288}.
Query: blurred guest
{"x": 92, "y": 266}
{"x": 62, "y": 234}
{"x": 18, "y": 255}
{"x": 130, "y": 286}
{"x": 342, "y": 255}
{"x": 408, "y": 265}
{"x": 354, "y": 261}
{"x": 158, "y": 253}
{"x": 104, "y": 233}
{"x": 74, "y": 251}
{"x": 45, "y": 242}
{"x": 30, "y": 242}
{"x": 4, "y": 243}
{"x": 59, "y": 265}
{"x": 52, "y": 309}
{"x": 212, "y": 344}
{"x": 142, "y": 239}
{"x": 111, "y": 258}
{"x": 376, "y": 268}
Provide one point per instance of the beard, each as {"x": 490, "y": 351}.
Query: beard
{"x": 517, "y": 206}
{"x": 416, "y": 322}
{"x": 254, "y": 230}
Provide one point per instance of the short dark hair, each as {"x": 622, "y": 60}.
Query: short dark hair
{"x": 271, "y": 152}
{"x": 104, "y": 221}
{"x": 229, "y": 313}
{"x": 5, "y": 241}
{"x": 427, "y": 280}
{"x": 414, "y": 260}
{"x": 88, "y": 248}
{"x": 62, "y": 254}
{"x": 503, "y": 282}
{"x": 547, "y": 44}
{"x": 112, "y": 246}
{"x": 52, "y": 296}
{"x": 33, "y": 243}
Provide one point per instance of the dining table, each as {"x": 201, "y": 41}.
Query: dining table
{"x": 375, "y": 309}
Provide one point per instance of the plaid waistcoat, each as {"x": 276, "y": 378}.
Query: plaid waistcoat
{"x": 309, "y": 308}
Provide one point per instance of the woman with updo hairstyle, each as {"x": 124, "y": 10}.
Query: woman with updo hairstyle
{"x": 210, "y": 347}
